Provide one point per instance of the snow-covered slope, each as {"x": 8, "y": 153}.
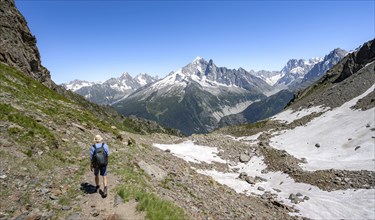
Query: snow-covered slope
{"x": 270, "y": 77}
{"x": 345, "y": 137}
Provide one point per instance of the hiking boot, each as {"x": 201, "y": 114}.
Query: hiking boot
{"x": 105, "y": 192}
{"x": 97, "y": 188}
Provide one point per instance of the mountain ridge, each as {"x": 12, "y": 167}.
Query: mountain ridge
{"x": 213, "y": 82}
{"x": 200, "y": 89}
{"x": 111, "y": 90}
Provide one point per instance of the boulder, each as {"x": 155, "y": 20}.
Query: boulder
{"x": 244, "y": 158}
{"x": 242, "y": 175}
{"x": 261, "y": 188}
{"x": 250, "y": 180}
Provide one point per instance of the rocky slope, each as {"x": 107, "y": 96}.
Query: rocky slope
{"x": 14, "y": 35}
{"x": 259, "y": 110}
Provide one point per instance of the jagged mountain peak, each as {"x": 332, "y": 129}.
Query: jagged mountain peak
{"x": 125, "y": 75}
{"x": 198, "y": 59}
{"x": 300, "y": 66}
{"x": 338, "y": 52}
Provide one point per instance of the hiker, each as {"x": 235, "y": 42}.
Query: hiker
{"x": 99, "y": 153}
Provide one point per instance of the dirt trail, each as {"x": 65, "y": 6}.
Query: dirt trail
{"x": 94, "y": 206}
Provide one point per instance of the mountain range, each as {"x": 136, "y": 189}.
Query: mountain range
{"x": 196, "y": 97}
{"x": 110, "y": 91}
{"x": 297, "y": 73}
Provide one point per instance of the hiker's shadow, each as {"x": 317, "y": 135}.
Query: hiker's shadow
{"x": 88, "y": 188}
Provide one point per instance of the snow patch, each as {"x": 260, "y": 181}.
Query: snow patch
{"x": 190, "y": 152}
{"x": 273, "y": 79}
{"x": 291, "y": 115}
{"x": 344, "y": 136}
{"x": 141, "y": 80}
{"x": 120, "y": 87}
{"x": 298, "y": 70}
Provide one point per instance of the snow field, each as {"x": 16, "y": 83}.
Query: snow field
{"x": 340, "y": 204}
{"x": 338, "y": 132}
{"x": 352, "y": 204}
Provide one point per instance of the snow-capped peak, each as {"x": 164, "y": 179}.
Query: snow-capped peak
{"x": 77, "y": 84}
{"x": 198, "y": 58}
{"x": 125, "y": 75}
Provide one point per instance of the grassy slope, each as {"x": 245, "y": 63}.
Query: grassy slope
{"x": 44, "y": 144}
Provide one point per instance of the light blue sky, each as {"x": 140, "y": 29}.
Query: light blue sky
{"x": 96, "y": 40}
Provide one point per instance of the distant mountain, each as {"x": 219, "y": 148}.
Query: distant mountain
{"x": 300, "y": 73}
{"x": 195, "y": 98}
{"x": 295, "y": 75}
{"x": 321, "y": 68}
{"x": 76, "y": 84}
{"x": 110, "y": 91}
{"x": 294, "y": 70}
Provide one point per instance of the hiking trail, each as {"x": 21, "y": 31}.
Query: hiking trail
{"x": 94, "y": 206}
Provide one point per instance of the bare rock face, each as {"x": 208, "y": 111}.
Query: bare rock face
{"x": 18, "y": 46}
{"x": 357, "y": 60}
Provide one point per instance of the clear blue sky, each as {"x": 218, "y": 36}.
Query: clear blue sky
{"x": 99, "y": 39}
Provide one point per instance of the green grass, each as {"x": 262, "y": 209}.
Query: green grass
{"x": 63, "y": 201}
{"x": 28, "y": 128}
{"x": 158, "y": 209}
{"x": 135, "y": 187}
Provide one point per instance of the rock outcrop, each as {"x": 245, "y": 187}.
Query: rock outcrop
{"x": 18, "y": 46}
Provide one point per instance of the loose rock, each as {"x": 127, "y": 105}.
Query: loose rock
{"x": 244, "y": 158}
